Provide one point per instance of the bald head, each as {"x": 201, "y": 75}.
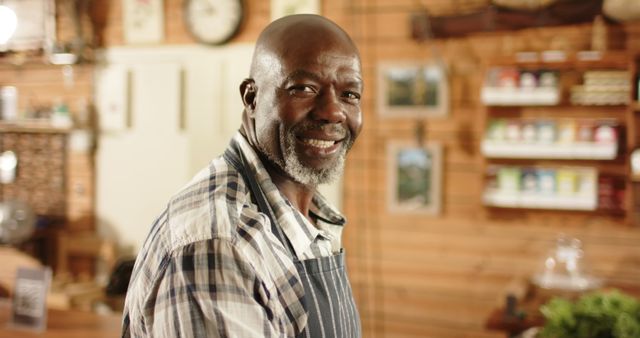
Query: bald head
{"x": 293, "y": 35}
{"x": 302, "y": 100}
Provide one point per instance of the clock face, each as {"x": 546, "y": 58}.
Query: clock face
{"x": 213, "y": 21}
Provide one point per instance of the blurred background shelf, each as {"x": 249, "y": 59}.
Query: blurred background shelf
{"x": 575, "y": 151}
{"x": 32, "y": 126}
{"x": 500, "y": 199}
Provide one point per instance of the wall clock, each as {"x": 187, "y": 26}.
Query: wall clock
{"x": 213, "y": 22}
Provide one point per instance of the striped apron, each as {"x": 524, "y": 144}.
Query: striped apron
{"x": 328, "y": 300}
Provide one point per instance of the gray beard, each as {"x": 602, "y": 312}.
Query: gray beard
{"x": 305, "y": 175}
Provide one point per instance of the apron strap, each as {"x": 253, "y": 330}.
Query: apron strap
{"x": 236, "y": 158}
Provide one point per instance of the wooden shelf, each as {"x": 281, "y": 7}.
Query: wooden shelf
{"x": 585, "y": 60}
{"x": 576, "y": 151}
{"x": 552, "y": 202}
{"x": 39, "y": 61}
{"x": 520, "y": 97}
{"x": 32, "y": 126}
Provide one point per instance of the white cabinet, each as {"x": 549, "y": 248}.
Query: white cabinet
{"x": 182, "y": 104}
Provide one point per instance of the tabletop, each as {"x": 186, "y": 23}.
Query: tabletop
{"x": 64, "y": 324}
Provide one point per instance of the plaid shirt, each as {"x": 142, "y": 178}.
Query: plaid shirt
{"x": 211, "y": 266}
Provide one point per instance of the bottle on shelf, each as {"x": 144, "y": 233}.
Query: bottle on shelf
{"x": 60, "y": 116}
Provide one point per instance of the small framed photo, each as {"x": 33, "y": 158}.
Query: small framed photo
{"x": 414, "y": 178}
{"x": 280, "y": 8}
{"x": 143, "y": 21}
{"x": 413, "y": 90}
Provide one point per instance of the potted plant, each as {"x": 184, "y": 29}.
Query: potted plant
{"x": 599, "y": 314}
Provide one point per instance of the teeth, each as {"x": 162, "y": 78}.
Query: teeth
{"x": 319, "y": 143}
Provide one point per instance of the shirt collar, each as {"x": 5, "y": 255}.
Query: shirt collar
{"x": 300, "y": 232}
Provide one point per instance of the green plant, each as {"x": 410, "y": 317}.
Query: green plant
{"x": 601, "y": 314}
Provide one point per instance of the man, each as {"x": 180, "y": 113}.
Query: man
{"x": 249, "y": 248}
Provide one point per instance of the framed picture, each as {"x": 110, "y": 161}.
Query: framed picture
{"x": 412, "y": 90}
{"x": 280, "y": 8}
{"x": 143, "y": 21}
{"x": 414, "y": 178}
{"x": 36, "y": 24}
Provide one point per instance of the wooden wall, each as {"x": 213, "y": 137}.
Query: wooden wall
{"x": 422, "y": 276}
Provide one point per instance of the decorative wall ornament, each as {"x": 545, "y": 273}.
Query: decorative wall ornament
{"x": 495, "y": 18}
{"x": 528, "y": 5}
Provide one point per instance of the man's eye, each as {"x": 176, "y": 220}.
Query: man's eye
{"x": 351, "y": 96}
{"x": 302, "y": 90}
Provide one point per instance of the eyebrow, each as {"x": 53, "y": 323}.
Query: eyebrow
{"x": 301, "y": 73}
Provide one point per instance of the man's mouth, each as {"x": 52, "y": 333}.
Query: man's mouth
{"x": 323, "y": 144}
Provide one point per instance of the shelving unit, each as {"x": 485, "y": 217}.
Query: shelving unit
{"x": 609, "y": 160}
{"x": 55, "y": 163}
{"x": 497, "y": 199}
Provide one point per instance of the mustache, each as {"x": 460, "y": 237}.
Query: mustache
{"x": 337, "y": 130}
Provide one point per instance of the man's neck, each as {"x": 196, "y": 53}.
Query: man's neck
{"x": 299, "y": 195}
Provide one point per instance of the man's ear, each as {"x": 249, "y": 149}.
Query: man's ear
{"x": 248, "y": 92}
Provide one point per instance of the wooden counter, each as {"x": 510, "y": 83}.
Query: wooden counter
{"x": 65, "y": 324}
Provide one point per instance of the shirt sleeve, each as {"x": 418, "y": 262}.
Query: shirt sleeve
{"x": 209, "y": 289}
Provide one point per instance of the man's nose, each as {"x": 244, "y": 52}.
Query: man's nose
{"x": 330, "y": 108}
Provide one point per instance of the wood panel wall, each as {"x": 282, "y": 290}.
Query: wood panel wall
{"x": 422, "y": 276}
{"x": 438, "y": 276}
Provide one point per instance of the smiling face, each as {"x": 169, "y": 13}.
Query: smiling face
{"x": 306, "y": 106}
